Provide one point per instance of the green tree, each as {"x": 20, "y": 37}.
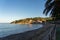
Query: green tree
{"x": 52, "y": 6}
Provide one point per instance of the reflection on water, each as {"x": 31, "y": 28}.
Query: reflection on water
{"x": 8, "y": 29}
{"x": 30, "y": 25}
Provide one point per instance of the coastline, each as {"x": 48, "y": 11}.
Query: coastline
{"x": 25, "y": 35}
{"x": 20, "y": 36}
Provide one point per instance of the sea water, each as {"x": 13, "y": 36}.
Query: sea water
{"x": 8, "y": 29}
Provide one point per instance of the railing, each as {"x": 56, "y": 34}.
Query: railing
{"x": 44, "y": 33}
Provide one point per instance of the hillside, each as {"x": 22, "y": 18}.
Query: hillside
{"x": 35, "y": 20}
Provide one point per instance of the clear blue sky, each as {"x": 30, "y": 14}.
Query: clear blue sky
{"x": 18, "y": 9}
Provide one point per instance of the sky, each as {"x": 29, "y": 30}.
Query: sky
{"x": 11, "y": 10}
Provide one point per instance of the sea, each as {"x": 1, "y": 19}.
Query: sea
{"x": 7, "y": 29}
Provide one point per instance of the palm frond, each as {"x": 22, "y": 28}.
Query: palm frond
{"x": 48, "y": 8}
{"x": 47, "y": 3}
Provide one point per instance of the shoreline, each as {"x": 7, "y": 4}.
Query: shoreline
{"x": 25, "y": 35}
{"x": 19, "y": 35}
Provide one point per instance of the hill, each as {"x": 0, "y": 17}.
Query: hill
{"x": 35, "y": 20}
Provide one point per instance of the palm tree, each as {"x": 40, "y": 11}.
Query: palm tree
{"x": 52, "y": 6}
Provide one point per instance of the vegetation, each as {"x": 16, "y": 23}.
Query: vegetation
{"x": 53, "y": 6}
{"x": 30, "y": 20}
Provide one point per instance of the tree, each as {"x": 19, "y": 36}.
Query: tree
{"x": 52, "y": 6}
